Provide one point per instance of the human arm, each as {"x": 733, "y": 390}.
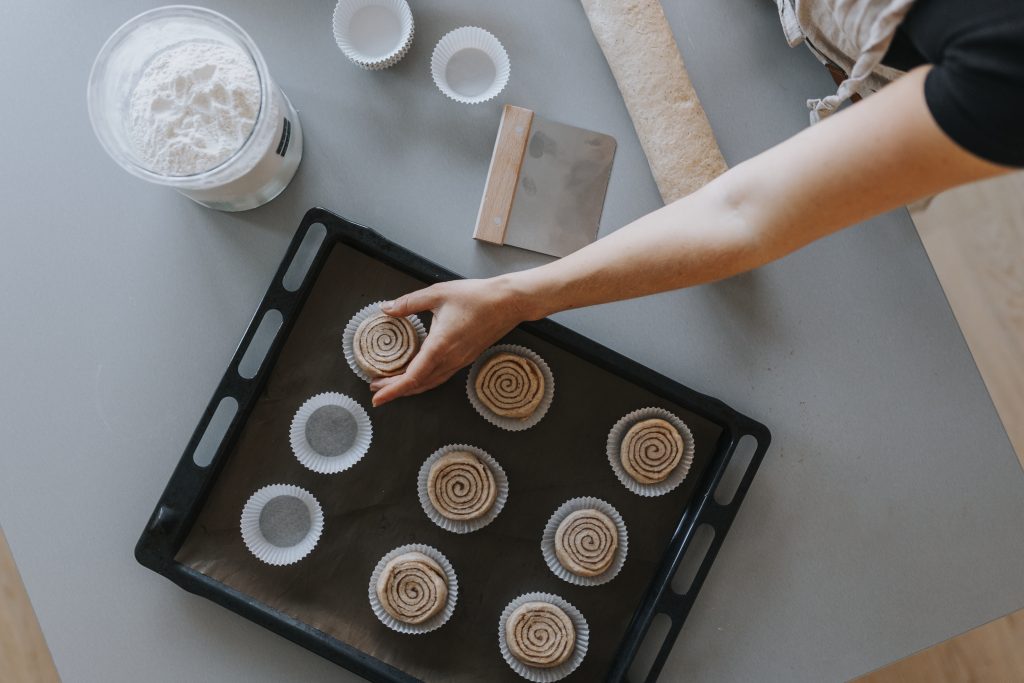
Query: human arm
{"x": 877, "y": 155}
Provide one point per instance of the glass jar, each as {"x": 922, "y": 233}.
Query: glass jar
{"x": 256, "y": 172}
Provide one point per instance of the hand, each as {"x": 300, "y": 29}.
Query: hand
{"x": 469, "y": 316}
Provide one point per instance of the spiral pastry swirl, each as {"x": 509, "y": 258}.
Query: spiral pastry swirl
{"x": 650, "y": 450}
{"x": 412, "y": 588}
{"x": 510, "y": 385}
{"x": 461, "y": 486}
{"x": 586, "y": 542}
{"x": 540, "y": 634}
{"x": 383, "y": 345}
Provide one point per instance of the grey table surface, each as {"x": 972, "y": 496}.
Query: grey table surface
{"x": 887, "y": 513}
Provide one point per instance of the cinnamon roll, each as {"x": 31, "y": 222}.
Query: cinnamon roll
{"x": 586, "y": 542}
{"x": 383, "y": 345}
{"x": 461, "y": 486}
{"x": 510, "y": 385}
{"x": 651, "y": 450}
{"x": 540, "y": 634}
{"x": 412, "y": 588}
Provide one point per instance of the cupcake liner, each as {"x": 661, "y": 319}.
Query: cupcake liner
{"x": 536, "y": 674}
{"x": 349, "y": 334}
{"x": 323, "y": 463}
{"x": 547, "y": 543}
{"x": 469, "y": 38}
{"x": 616, "y": 435}
{"x": 510, "y": 423}
{"x": 253, "y": 533}
{"x": 435, "y": 622}
{"x": 462, "y": 526}
{"x": 344, "y": 12}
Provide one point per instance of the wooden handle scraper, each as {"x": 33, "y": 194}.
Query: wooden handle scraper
{"x": 545, "y": 186}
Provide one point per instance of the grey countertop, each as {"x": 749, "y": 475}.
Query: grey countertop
{"x": 886, "y": 515}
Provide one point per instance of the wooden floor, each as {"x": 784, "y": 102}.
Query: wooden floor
{"x": 975, "y": 238}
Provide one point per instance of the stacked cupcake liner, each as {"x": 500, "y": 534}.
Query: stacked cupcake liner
{"x": 346, "y": 9}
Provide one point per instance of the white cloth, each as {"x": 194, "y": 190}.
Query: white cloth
{"x": 852, "y": 34}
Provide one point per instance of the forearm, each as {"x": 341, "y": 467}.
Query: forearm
{"x": 880, "y": 154}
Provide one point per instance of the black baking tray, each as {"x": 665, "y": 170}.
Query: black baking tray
{"x": 331, "y": 269}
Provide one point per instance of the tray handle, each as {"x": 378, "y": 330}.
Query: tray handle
{"x": 729, "y": 484}
{"x": 203, "y": 456}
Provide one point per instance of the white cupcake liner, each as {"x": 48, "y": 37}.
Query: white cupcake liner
{"x": 253, "y": 536}
{"x": 466, "y": 38}
{"x": 330, "y": 464}
{"x": 510, "y": 423}
{"x": 349, "y": 334}
{"x": 537, "y": 674}
{"x": 616, "y": 435}
{"x": 462, "y": 526}
{"x": 435, "y": 622}
{"x": 547, "y": 543}
{"x": 345, "y": 10}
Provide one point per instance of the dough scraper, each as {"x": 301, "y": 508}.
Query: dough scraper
{"x": 545, "y": 186}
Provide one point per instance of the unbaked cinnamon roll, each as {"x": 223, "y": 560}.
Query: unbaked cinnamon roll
{"x": 651, "y": 450}
{"x": 461, "y": 486}
{"x": 586, "y": 542}
{"x": 412, "y": 588}
{"x": 510, "y": 385}
{"x": 540, "y": 634}
{"x": 383, "y": 345}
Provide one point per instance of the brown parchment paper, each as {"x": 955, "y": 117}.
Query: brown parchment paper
{"x": 373, "y": 507}
{"x": 674, "y": 131}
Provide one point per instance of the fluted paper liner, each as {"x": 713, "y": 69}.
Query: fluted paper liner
{"x": 345, "y": 10}
{"x": 467, "y": 38}
{"x": 616, "y": 435}
{"x": 348, "y": 336}
{"x": 547, "y": 543}
{"x": 330, "y": 464}
{"x": 455, "y": 525}
{"x": 510, "y": 423}
{"x": 436, "y": 621}
{"x": 537, "y": 674}
{"x": 252, "y": 533}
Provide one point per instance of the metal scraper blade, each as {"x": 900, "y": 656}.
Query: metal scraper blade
{"x": 561, "y": 189}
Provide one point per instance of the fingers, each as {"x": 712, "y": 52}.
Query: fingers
{"x": 417, "y": 378}
{"x": 414, "y": 302}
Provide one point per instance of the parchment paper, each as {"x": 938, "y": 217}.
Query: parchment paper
{"x": 674, "y": 131}
{"x": 373, "y": 507}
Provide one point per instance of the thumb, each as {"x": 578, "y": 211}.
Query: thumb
{"x": 415, "y": 302}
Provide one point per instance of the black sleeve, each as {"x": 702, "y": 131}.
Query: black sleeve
{"x": 975, "y": 90}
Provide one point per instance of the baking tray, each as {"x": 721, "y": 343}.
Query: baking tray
{"x": 292, "y": 350}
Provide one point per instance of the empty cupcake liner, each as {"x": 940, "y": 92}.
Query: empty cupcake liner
{"x": 349, "y": 334}
{"x": 486, "y": 47}
{"x": 510, "y": 423}
{"x": 435, "y": 622}
{"x": 326, "y": 463}
{"x": 253, "y": 526}
{"x": 547, "y": 543}
{"x": 346, "y": 10}
{"x": 616, "y": 435}
{"x": 462, "y": 526}
{"x": 536, "y": 674}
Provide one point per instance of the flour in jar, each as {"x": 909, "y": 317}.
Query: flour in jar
{"x": 194, "y": 106}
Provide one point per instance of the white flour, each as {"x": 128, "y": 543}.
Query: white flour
{"x": 193, "y": 107}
